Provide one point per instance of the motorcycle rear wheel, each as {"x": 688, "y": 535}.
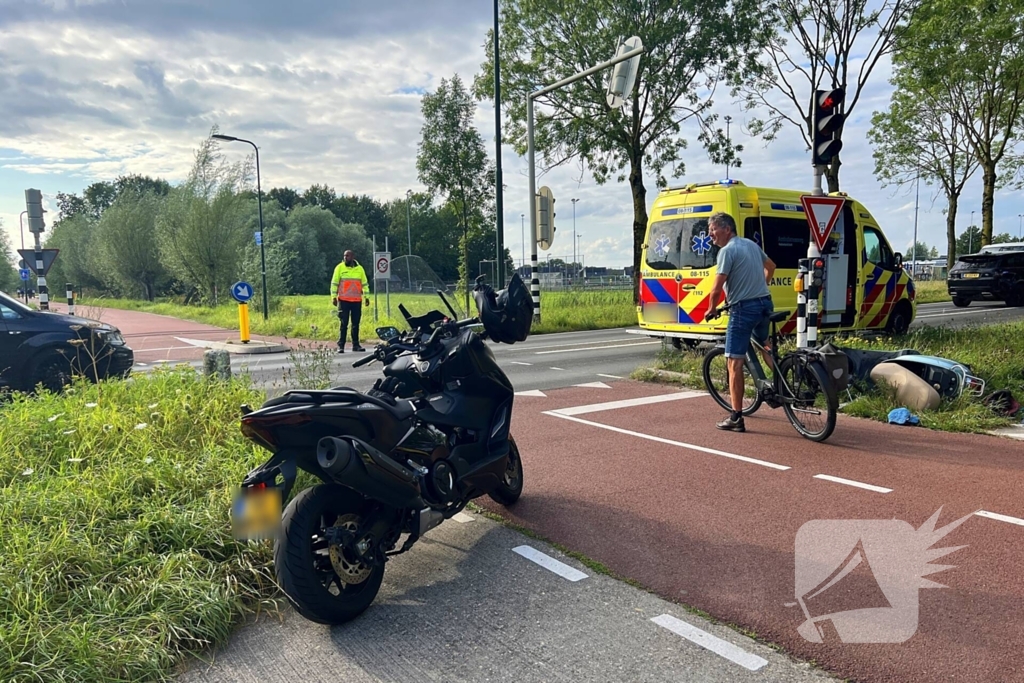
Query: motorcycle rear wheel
{"x": 302, "y": 557}
{"x": 511, "y": 486}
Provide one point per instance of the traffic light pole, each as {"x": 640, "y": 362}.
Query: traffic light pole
{"x": 534, "y": 281}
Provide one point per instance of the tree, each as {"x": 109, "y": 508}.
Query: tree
{"x": 363, "y": 210}
{"x": 286, "y": 197}
{"x": 917, "y": 137}
{"x": 693, "y": 47}
{"x": 9, "y": 280}
{"x": 319, "y": 241}
{"x": 77, "y": 261}
{"x": 969, "y": 241}
{"x": 452, "y": 160}
{"x": 972, "y": 51}
{"x": 923, "y": 252}
{"x": 128, "y": 251}
{"x": 202, "y": 230}
{"x": 829, "y": 34}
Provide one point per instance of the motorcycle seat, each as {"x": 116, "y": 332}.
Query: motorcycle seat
{"x": 402, "y": 410}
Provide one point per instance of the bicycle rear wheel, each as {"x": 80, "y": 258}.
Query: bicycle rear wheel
{"x": 813, "y": 413}
{"x": 716, "y": 379}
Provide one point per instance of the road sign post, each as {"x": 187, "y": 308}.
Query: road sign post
{"x": 381, "y": 271}
{"x": 822, "y": 213}
{"x": 241, "y": 292}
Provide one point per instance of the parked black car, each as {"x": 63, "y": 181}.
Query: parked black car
{"x": 987, "y": 277}
{"x": 38, "y": 347}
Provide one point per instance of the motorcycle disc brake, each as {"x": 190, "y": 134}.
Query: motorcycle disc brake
{"x": 349, "y": 569}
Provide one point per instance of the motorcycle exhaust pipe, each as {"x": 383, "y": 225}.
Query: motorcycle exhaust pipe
{"x": 359, "y": 466}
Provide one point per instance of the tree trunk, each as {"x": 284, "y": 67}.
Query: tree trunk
{"x": 987, "y": 201}
{"x": 636, "y": 184}
{"x": 953, "y": 199}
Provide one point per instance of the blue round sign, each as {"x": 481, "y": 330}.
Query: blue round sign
{"x": 241, "y": 291}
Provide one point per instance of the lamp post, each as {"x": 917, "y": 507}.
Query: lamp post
{"x": 728, "y": 138}
{"x": 21, "y": 222}
{"x": 408, "y": 228}
{"x": 1020, "y": 225}
{"x": 522, "y": 229}
{"x": 574, "y": 200}
{"x": 259, "y": 201}
{"x": 970, "y": 235}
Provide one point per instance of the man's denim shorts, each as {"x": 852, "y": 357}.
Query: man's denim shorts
{"x": 747, "y": 319}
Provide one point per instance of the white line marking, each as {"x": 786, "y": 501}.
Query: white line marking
{"x": 723, "y": 648}
{"x": 951, "y": 313}
{"x": 593, "y": 385}
{"x": 592, "y": 341}
{"x": 515, "y": 362}
{"x": 532, "y": 392}
{"x": 850, "y": 482}
{"x": 596, "y": 348}
{"x": 629, "y": 403}
{"x": 670, "y": 442}
{"x": 1001, "y": 518}
{"x": 462, "y": 517}
{"x": 550, "y": 563}
{"x": 562, "y": 369}
{"x": 609, "y": 376}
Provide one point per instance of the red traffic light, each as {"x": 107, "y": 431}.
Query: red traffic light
{"x": 830, "y": 99}
{"x": 819, "y": 264}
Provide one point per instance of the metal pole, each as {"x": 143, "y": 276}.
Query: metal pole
{"x": 522, "y": 228}
{"x": 500, "y": 225}
{"x": 263, "y": 235}
{"x": 534, "y": 282}
{"x": 408, "y": 227}
{"x": 373, "y": 239}
{"x": 916, "y": 201}
{"x": 24, "y": 283}
{"x": 728, "y": 139}
{"x": 44, "y": 296}
{"x": 970, "y": 235}
{"x": 387, "y": 280}
{"x": 574, "y": 200}
{"x": 70, "y": 290}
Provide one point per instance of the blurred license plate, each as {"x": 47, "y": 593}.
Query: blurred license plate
{"x": 256, "y": 513}
{"x": 972, "y": 274}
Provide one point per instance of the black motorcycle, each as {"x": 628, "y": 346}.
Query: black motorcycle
{"x": 395, "y": 461}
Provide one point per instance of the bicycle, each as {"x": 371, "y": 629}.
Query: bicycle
{"x": 800, "y": 382}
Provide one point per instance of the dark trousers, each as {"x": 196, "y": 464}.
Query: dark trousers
{"x": 346, "y": 309}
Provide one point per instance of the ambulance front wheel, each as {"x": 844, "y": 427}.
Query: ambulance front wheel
{"x": 899, "y": 319}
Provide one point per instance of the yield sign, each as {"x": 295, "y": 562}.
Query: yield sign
{"x": 48, "y": 256}
{"x": 822, "y": 213}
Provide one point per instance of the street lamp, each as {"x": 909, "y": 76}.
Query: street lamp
{"x": 728, "y": 138}
{"x": 522, "y": 230}
{"x": 970, "y": 235}
{"x": 574, "y": 233}
{"x": 408, "y": 228}
{"x": 259, "y": 201}
{"x": 21, "y": 222}
{"x": 1020, "y": 225}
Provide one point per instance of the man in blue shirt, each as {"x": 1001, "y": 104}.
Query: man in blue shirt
{"x": 744, "y": 271}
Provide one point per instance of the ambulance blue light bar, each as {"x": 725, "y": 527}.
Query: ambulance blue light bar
{"x": 727, "y": 181}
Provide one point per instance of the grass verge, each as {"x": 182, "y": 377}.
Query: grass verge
{"x": 932, "y": 291}
{"x": 313, "y": 317}
{"x": 991, "y": 351}
{"x": 117, "y": 553}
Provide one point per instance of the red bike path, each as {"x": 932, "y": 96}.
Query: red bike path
{"x": 632, "y": 488}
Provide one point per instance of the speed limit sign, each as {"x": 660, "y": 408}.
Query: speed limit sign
{"x": 382, "y": 265}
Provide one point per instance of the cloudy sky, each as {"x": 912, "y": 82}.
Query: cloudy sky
{"x": 330, "y": 91}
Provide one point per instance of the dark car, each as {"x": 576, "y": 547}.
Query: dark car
{"x": 987, "y": 277}
{"x": 38, "y": 347}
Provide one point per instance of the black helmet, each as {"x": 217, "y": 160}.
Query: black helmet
{"x": 507, "y": 315}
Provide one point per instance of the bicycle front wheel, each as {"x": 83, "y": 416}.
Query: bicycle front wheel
{"x": 810, "y": 398}
{"x": 716, "y": 379}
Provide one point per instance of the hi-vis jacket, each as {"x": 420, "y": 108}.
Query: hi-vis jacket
{"x": 349, "y": 284}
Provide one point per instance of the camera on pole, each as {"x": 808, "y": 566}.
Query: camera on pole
{"x": 545, "y": 218}
{"x": 827, "y": 120}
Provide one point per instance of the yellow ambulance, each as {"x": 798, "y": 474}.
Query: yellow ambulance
{"x": 866, "y": 287}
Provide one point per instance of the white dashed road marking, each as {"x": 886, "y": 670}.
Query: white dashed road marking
{"x": 720, "y": 647}
{"x": 609, "y": 376}
{"x": 1001, "y": 518}
{"x": 593, "y": 385}
{"x": 850, "y": 482}
{"x": 562, "y": 369}
{"x": 550, "y": 563}
{"x": 516, "y": 362}
{"x": 628, "y": 403}
{"x": 532, "y": 392}
{"x": 596, "y": 348}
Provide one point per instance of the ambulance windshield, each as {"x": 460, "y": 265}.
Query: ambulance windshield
{"x": 680, "y": 243}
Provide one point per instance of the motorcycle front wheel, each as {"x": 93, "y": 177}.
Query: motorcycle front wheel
{"x": 324, "y": 584}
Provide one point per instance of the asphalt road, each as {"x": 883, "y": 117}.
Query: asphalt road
{"x": 553, "y": 361}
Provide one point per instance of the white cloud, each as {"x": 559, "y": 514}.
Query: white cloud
{"x": 331, "y": 94}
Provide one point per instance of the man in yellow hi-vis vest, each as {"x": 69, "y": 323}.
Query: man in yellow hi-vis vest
{"x": 348, "y": 287}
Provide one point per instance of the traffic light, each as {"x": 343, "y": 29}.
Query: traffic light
{"x": 817, "y": 273}
{"x": 545, "y": 218}
{"x": 827, "y": 120}
{"x": 34, "y": 204}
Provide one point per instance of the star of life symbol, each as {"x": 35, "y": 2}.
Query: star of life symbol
{"x": 661, "y": 245}
{"x": 757, "y": 238}
{"x": 857, "y": 580}
{"x": 702, "y": 243}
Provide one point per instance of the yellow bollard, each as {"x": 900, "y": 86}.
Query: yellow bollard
{"x": 243, "y": 322}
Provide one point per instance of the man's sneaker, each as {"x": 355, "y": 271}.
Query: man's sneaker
{"x": 732, "y": 425}
{"x": 341, "y": 349}
{"x": 358, "y": 349}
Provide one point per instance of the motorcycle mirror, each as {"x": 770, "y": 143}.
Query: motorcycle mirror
{"x": 387, "y": 333}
